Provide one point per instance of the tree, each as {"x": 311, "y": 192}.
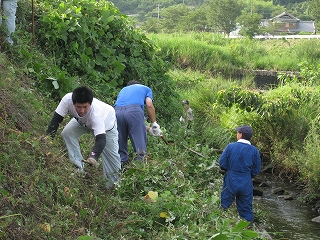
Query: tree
{"x": 222, "y": 15}
{"x": 266, "y": 9}
{"x": 250, "y": 24}
{"x": 194, "y": 21}
{"x": 172, "y": 16}
{"x": 152, "y": 25}
{"x": 315, "y": 10}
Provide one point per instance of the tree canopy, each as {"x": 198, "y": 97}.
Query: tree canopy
{"x": 222, "y": 14}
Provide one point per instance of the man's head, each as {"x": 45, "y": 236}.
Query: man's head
{"x": 246, "y": 131}
{"x": 82, "y": 98}
{"x": 186, "y": 102}
{"x": 82, "y": 95}
{"x": 131, "y": 82}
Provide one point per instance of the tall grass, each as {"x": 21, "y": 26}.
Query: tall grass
{"x": 38, "y": 185}
{"x": 213, "y": 53}
{"x": 188, "y": 52}
{"x": 42, "y": 197}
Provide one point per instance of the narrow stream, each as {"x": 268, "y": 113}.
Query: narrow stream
{"x": 286, "y": 219}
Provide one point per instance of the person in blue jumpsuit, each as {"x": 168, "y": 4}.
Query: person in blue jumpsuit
{"x": 129, "y": 108}
{"x": 241, "y": 162}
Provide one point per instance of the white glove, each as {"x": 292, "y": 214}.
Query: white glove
{"x": 181, "y": 119}
{"x": 151, "y": 132}
{"x": 155, "y": 129}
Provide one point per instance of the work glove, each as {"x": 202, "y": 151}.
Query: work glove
{"x": 181, "y": 119}
{"x": 91, "y": 161}
{"x": 155, "y": 129}
{"x": 151, "y": 131}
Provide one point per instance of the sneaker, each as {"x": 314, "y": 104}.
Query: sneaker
{"x": 9, "y": 40}
{"x": 80, "y": 172}
{"x": 110, "y": 186}
{"x": 124, "y": 164}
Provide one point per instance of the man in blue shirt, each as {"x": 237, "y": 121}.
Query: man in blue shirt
{"x": 129, "y": 109}
{"x": 242, "y": 162}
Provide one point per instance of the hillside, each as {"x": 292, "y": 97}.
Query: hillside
{"x": 41, "y": 196}
{"x": 176, "y": 194}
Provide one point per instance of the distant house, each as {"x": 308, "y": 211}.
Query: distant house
{"x": 289, "y": 24}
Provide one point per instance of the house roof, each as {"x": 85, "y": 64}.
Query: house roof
{"x": 285, "y": 17}
{"x": 303, "y": 26}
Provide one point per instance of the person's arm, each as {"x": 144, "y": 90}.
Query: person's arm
{"x": 223, "y": 161}
{"x": 155, "y": 128}
{"x": 256, "y": 164}
{"x": 99, "y": 145}
{"x": 54, "y": 124}
{"x": 151, "y": 110}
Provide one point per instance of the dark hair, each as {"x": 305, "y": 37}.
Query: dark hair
{"x": 82, "y": 95}
{"x": 131, "y": 82}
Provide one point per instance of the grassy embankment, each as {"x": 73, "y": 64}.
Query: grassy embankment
{"x": 42, "y": 198}
{"x": 285, "y": 116}
{"x": 38, "y": 187}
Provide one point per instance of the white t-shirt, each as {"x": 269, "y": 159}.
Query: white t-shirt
{"x": 100, "y": 118}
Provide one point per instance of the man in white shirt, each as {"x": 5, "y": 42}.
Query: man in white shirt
{"x": 90, "y": 115}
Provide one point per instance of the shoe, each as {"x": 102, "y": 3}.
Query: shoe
{"x": 80, "y": 172}
{"x": 124, "y": 164}
{"x": 110, "y": 186}
{"x": 9, "y": 40}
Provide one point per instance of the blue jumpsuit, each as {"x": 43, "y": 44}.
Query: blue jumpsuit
{"x": 242, "y": 162}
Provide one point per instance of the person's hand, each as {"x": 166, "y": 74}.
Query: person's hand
{"x": 91, "y": 161}
{"x": 181, "y": 119}
{"x": 155, "y": 129}
{"x": 151, "y": 131}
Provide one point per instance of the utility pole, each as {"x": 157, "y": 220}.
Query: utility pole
{"x": 158, "y": 11}
{"x": 251, "y": 6}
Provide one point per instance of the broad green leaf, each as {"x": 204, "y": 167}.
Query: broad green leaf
{"x": 119, "y": 67}
{"x": 241, "y": 225}
{"x": 250, "y": 233}
{"x": 89, "y": 51}
{"x": 219, "y": 236}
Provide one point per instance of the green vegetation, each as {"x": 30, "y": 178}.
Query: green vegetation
{"x": 167, "y": 16}
{"x": 176, "y": 194}
{"x": 42, "y": 197}
{"x": 215, "y": 54}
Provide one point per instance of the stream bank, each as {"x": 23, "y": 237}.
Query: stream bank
{"x": 286, "y": 219}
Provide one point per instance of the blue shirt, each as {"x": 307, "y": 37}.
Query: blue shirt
{"x": 133, "y": 94}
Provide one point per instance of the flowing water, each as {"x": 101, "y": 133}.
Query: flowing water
{"x": 287, "y": 219}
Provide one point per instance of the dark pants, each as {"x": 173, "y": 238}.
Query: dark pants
{"x": 243, "y": 196}
{"x": 131, "y": 125}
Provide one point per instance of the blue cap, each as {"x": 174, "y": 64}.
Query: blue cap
{"x": 246, "y": 131}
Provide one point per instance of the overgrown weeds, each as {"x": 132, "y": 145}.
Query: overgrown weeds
{"x": 42, "y": 196}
